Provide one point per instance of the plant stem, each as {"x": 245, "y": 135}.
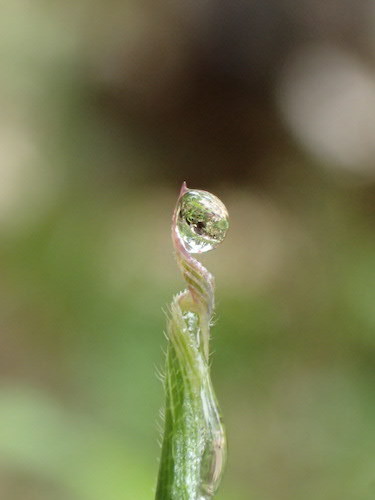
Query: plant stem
{"x": 194, "y": 445}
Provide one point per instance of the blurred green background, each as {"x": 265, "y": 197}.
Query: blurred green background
{"x": 106, "y": 107}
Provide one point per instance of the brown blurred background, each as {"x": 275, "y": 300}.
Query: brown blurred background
{"x": 106, "y": 107}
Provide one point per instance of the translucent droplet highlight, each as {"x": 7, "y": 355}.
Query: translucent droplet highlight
{"x": 202, "y": 221}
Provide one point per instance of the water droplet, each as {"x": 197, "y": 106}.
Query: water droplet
{"x": 202, "y": 221}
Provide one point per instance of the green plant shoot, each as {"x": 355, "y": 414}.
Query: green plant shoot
{"x": 194, "y": 444}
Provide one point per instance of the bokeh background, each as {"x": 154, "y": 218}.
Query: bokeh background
{"x": 106, "y": 107}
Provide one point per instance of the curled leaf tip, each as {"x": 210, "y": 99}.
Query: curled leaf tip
{"x": 184, "y": 189}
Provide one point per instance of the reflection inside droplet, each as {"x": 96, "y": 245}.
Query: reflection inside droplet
{"x": 202, "y": 221}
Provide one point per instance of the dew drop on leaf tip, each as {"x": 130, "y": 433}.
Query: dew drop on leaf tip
{"x": 202, "y": 221}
